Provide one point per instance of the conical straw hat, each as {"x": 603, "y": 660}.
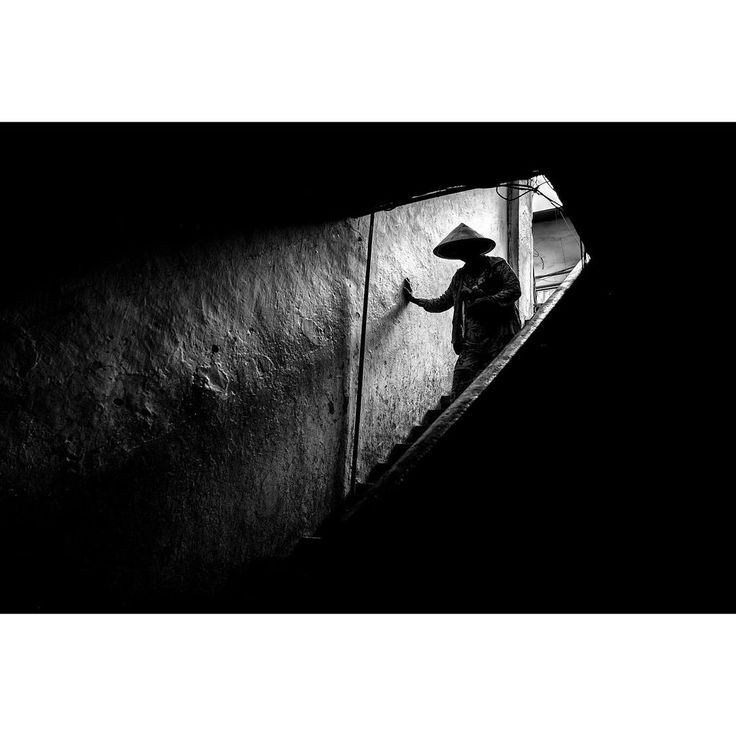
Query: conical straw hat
{"x": 462, "y": 242}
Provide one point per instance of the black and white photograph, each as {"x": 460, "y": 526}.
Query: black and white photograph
{"x": 394, "y": 365}
{"x": 236, "y": 381}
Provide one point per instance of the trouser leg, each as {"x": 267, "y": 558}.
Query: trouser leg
{"x": 467, "y": 368}
{"x": 469, "y": 364}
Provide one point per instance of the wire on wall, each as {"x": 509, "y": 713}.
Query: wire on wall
{"x": 536, "y": 189}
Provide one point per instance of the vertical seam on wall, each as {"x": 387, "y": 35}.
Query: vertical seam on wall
{"x": 361, "y": 359}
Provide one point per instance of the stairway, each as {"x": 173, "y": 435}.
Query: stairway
{"x": 308, "y": 546}
{"x": 380, "y": 469}
{"x": 455, "y": 517}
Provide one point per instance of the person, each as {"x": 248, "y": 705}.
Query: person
{"x": 483, "y": 293}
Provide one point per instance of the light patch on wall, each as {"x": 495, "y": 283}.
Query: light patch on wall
{"x": 557, "y": 245}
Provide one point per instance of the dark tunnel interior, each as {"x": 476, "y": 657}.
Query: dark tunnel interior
{"x": 638, "y": 520}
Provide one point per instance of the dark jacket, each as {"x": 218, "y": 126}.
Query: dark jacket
{"x": 492, "y": 304}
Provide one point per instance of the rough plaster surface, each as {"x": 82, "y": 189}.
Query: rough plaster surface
{"x": 185, "y": 411}
{"x": 519, "y": 218}
{"x": 526, "y": 257}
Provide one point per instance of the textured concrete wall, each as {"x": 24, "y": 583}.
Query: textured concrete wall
{"x": 180, "y": 414}
{"x": 169, "y": 418}
{"x": 526, "y": 258}
{"x": 521, "y": 258}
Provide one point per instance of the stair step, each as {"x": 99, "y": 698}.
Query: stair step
{"x": 415, "y": 434}
{"x": 362, "y": 488}
{"x": 307, "y": 547}
{"x": 398, "y": 450}
{"x": 334, "y": 520}
{"x": 377, "y": 471}
{"x": 430, "y": 417}
{"x": 445, "y": 401}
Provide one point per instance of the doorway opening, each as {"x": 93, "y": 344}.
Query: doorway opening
{"x": 558, "y": 247}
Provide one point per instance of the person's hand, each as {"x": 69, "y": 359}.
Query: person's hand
{"x": 468, "y": 293}
{"x": 408, "y": 291}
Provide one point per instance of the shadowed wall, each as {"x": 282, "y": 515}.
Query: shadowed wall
{"x": 179, "y": 411}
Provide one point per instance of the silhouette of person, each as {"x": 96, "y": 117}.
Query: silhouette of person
{"x": 483, "y": 293}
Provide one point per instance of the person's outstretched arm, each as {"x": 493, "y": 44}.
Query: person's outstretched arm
{"x": 440, "y": 304}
